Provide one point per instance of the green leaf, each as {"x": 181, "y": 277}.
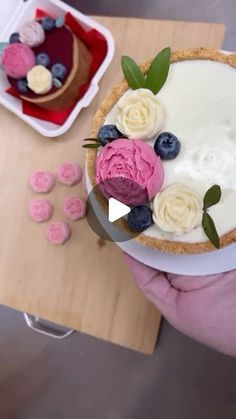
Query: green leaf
{"x": 96, "y": 140}
{"x": 3, "y": 45}
{"x": 60, "y": 21}
{"x": 210, "y": 229}
{"x": 212, "y": 197}
{"x": 158, "y": 71}
{"x": 132, "y": 73}
{"x": 91, "y": 145}
{"x": 57, "y": 83}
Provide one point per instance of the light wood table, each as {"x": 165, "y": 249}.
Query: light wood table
{"x": 83, "y": 285}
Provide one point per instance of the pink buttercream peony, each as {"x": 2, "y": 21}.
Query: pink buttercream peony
{"x": 17, "y": 60}
{"x": 40, "y": 210}
{"x": 133, "y": 160}
{"x": 58, "y": 232}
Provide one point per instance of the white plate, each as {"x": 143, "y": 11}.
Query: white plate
{"x": 221, "y": 260}
{"x": 17, "y": 12}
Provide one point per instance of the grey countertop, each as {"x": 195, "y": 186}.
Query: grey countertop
{"x": 84, "y": 378}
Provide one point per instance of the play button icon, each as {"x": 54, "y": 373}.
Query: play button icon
{"x": 108, "y": 205}
{"x": 117, "y": 210}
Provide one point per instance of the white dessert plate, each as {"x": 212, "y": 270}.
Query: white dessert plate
{"x": 221, "y": 260}
{"x": 17, "y": 12}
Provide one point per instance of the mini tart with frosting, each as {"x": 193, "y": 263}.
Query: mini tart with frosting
{"x": 197, "y": 104}
{"x": 46, "y": 63}
{"x": 80, "y": 61}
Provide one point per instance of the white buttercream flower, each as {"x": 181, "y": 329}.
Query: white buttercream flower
{"x": 40, "y": 80}
{"x": 177, "y": 209}
{"x": 32, "y": 34}
{"x": 140, "y": 115}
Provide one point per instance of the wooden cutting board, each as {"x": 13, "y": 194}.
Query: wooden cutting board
{"x": 85, "y": 284}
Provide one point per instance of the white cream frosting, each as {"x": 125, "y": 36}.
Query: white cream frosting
{"x": 40, "y": 80}
{"x": 177, "y": 209}
{"x": 200, "y": 102}
{"x": 140, "y": 114}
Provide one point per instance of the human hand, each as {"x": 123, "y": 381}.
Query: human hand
{"x": 201, "y": 307}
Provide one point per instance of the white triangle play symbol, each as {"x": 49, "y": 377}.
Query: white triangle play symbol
{"x": 116, "y": 210}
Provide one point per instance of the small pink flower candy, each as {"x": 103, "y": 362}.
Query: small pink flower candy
{"x": 74, "y": 208}
{"x": 42, "y": 181}
{"x": 69, "y": 173}
{"x": 40, "y": 210}
{"x": 58, "y": 232}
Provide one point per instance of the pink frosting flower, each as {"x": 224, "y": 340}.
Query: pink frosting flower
{"x": 42, "y": 181}
{"x": 74, "y": 208}
{"x": 135, "y": 161}
{"x": 58, "y": 232}
{"x": 17, "y": 60}
{"x": 69, "y": 173}
{"x": 40, "y": 210}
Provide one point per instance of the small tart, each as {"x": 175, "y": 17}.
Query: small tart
{"x": 67, "y": 94}
{"x": 74, "y": 56}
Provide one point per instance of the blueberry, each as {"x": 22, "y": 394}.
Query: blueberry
{"x": 15, "y": 37}
{"x": 59, "y": 71}
{"x": 43, "y": 59}
{"x": 22, "y": 85}
{"x": 140, "y": 218}
{"x": 167, "y": 146}
{"x": 108, "y": 133}
{"x": 48, "y": 23}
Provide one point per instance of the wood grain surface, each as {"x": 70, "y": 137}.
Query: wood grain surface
{"x": 85, "y": 284}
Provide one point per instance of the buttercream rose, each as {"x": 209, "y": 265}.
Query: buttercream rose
{"x": 69, "y": 173}
{"x": 40, "y": 80}
{"x": 74, "y": 208}
{"x": 58, "y": 232}
{"x": 139, "y": 114}
{"x": 32, "y": 34}
{"x": 130, "y": 171}
{"x": 42, "y": 181}
{"x": 40, "y": 210}
{"x": 17, "y": 60}
{"x": 177, "y": 209}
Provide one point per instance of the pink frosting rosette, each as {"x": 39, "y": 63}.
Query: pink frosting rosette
{"x": 32, "y": 34}
{"x": 17, "y": 60}
{"x": 130, "y": 171}
{"x": 69, "y": 173}
{"x": 42, "y": 181}
{"x": 40, "y": 210}
{"x": 58, "y": 232}
{"x": 74, "y": 208}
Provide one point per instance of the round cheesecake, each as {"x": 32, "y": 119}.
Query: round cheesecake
{"x": 199, "y": 102}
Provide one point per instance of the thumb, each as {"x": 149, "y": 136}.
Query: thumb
{"x": 154, "y": 285}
